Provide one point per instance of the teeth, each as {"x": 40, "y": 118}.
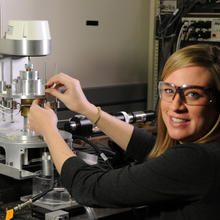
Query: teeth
{"x": 178, "y": 120}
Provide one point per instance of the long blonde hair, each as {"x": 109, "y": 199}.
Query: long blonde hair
{"x": 203, "y": 55}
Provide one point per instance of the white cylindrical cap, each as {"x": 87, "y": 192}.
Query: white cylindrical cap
{"x": 28, "y": 29}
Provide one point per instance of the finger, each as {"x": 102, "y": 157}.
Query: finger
{"x": 60, "y": 78}
{"x": 54, "y": 92}
{"x": 37, "y": 101}
{"x": 53, "y": 80}
{"x": 53, "y": 85}
{"x": 47, "y": 105}
{"x": 57, "y": 86}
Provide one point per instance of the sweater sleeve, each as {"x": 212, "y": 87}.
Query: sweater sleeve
{"x": 180, "y": 173}
{"x": 140, "y": 144}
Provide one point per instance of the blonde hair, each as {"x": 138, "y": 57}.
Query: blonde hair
{"x": 203, "y": 55}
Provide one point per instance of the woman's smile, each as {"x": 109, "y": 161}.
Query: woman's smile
{"x": 184, "y": 122}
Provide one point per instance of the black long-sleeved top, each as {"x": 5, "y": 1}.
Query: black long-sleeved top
{"x": 181, "y": 184}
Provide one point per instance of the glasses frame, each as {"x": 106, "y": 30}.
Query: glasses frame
{"x": 179, "y": 89}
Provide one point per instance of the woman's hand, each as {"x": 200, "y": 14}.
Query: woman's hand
{"x": 73, "y": 97}
{"x": 41, "y": 120}
{"x": 44, "y": 122}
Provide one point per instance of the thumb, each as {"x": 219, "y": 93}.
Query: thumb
{"x": 37, "y": 102}
{"x": 47, "y": 105}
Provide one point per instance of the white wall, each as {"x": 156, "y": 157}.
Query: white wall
{"x": 113, "y": 53}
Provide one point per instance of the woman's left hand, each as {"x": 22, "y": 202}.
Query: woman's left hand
{"x": 41, "y": 120}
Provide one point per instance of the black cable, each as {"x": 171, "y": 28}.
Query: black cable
{"x": 170, "y": 22}
{"x": 96, "y": 148}
{"x": 29, "y": 201}
{"x": 40, "y": 195}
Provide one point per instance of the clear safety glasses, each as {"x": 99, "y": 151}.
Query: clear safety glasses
{"x": 191, "y": 95}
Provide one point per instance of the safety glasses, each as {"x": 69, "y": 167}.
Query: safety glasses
{"x": 191, "y": 95}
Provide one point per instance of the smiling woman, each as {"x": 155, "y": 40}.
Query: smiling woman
{"x": 178, "y": 176}
{"x": 196, "y": 65}
{"x": 188, "y": 121}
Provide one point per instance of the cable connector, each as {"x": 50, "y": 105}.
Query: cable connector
{"x": 9, "y": 214}
{"x": 103, "y": 156}
{"x": 176, "y": 11}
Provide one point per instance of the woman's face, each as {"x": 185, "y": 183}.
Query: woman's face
{"x": 187, "y": 123}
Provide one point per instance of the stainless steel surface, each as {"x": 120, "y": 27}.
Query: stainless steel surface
{"x": 47, "y": 164}
{"x": 28, "y": 85}
{"x": 29, "y": 75}
{"x": 15, "y": 142}
{"x": 25, "y": 47}
{"x": 15, "y": 173}
{"x": 59, "y": 214}
{"x": 2, "y": 86}
{"x": 30, "y": 88}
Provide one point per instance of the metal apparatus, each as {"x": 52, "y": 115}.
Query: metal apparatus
{"x": 80, "y": 125}
{"x": 22, "y": 150}
{"x": 20, "y": 84}
{"x": 26, "y": 38}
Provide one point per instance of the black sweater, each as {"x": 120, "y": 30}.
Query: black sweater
{"x": 181, "y": 184}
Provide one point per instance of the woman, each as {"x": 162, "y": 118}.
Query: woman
{"x": 178, "y": 176}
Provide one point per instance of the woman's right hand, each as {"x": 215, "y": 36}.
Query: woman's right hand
{"x": 73, "y": 97}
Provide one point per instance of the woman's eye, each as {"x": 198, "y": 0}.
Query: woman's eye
{"x": 169, "y": 91}
{"x": 193, "y": 94}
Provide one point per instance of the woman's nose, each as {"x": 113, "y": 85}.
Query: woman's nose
{"x": 178, "y": 103}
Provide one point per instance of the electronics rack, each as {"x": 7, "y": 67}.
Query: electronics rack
{"x": 199, "y": 28}
{"x": 183, "y": 22}
{"x": 175, "y": 22}
{"x": 168, "y": 6}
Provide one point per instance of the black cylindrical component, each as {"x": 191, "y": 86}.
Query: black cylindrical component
{"x": 80, "y": 125}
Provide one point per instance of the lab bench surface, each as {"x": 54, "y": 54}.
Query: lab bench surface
{"x": 28, "y": 213}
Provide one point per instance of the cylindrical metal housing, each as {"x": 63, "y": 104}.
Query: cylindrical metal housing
{"x": 29, "y": 85}
{"x": 25, "y": 106}
{"x": 27, "y": 75}
{"x": 32, "y": 87}
{"x": 47, "y": 164}
{"x": 2, "y": 87}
